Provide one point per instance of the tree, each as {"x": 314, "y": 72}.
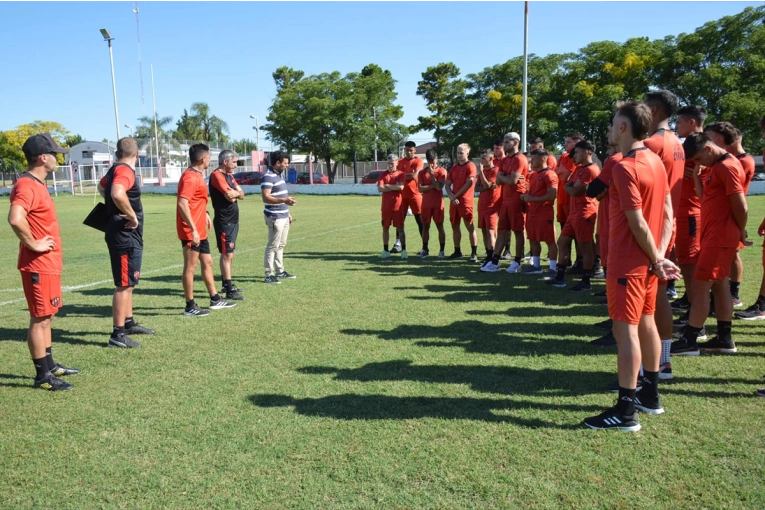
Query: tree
{"x": 439, "y": 87}
{"x": 144, "y": 134}
{"x": 187, "y": 128}
{"x": 73, "y": 140}
{"x": 12, "y": 140}
{"x": 243, "y": 146}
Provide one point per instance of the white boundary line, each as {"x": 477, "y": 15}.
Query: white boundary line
{"x": 70, "y": 288}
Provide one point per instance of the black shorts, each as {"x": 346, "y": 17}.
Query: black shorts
{"x": 203, "y": 248}
{"x": 226, "y": 237}
{"x": 126, "y": 265}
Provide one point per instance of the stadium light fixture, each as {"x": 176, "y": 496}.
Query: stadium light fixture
{"x": 108, "y": 38}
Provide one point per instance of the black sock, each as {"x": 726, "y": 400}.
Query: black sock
{"x": 385, "y": 247}
{"x": 403, "y": 246}
{"x": 441, "y": 246}
{"x": 473, "y": 250}
{"x": 489, "y": 254}
{"x": 691, "y": 334}
{"x": 626, "y": 403}
{"x": 458, "y": 250}
{"x": 597, "y": 261}
{"x": 215, "y": 298}
{"x": 49, "y": 359}
{"x": 650, "y": 383}
{"x": 761, "y": 299}
{"x": 129, "y": 322}
{"x": 495, "y": 257}
{"x": 41, "y": 366}
{"x": 226, "y": 284}
{"x": 190, "y": 303}
{"x": 517, "y": 259}
{"x": 586, "y": 277}
{"x": 425, "y": 247}
{"x": 560, "y": 273}
{"x": 419, "y": 222}
{"x": 724, "y": 330}
{"x": 118, "y": 330}
{"x": 734, "y": 288}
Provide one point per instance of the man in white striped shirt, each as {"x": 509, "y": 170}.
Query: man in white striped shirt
{"x": 276, "y": 198}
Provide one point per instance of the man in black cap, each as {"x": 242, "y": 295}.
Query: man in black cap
{"x": 33, "y": 219}
{"x": 124, "y": 238}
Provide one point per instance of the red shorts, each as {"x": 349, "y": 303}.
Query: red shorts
{"x": 687, "y": 240}
{"x": 579, "y": 228}
{"x": 631, "y": 297}
{"x": 414, "y": 203}
{"x": 395, "y": 218}
{"x": 43, "y": 293}
{"x": 561, "y": 208}
{"x": 488, "y": 218}
{"x": 512, "y": 215}
{"x": 429, "y": 214}
{"x": 714, "y": 264}
{"x": 542, "y": 231}
{"x": 460, "y": 211}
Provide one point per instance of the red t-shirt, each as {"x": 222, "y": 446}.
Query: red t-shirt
{"x": 435, "y": 197}
{"x": 667, "y": 146}
{"x": 517, "y": 163}
{"x": 490, "y": 199}
{"x": 718, "y": 227}
{"x": 638, "y": 182}
{"x": 606, "y": 175}
{"x": 192, "y": 187}
{"x": 392, "y": 200}
{"x": 459, "y": 175}
{"x": 747, "y": 163}
{"x": 122, "y": 175}
{"x": 539, "y": 184}
{"x": 583, "y": 206}
{"x": 409, "y": 167}
{"x": 564, "y": 162}
{"x": 32, "y": 195}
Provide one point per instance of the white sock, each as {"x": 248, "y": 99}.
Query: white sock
{"x": 535, "y": 261}
{"x": 553, "y": 265}
{"x": 665, "y": 346}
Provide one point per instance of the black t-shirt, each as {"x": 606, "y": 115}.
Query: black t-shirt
{"x": 225, "y": 212}
{"x": 116, "y": 234}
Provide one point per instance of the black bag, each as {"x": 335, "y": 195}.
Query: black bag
{"x": 97, "y": 217}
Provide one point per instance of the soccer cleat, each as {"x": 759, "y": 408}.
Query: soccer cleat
{"x": 221, "y": 304}
{"x": 383, "y": 255}
{"x": 613, "y": 386}
{"x": 605, "y": 325}
{"x": 52, "y": 383}
{"x": 558, "y": 284}
{"x": 60, "y": 370}
{"x": 737, "y": 303}
{"x": 613, "y": 420}
{"x": 123, "y": 341}
{"x": 550, "y": 274}
{"x": 683, "y": 348}
{"x": 671, "y": 293}
{"x": 285, "y": 275}
{"x": 195, "y": 311}
{"x": 490, "y": 267}
{"x": 137, "y": 329}
{"x": 423, "y": 254}
{"x": 234, "y": 295}
{"x": 720, "y": 346}
{"x": 441, "y": 255}
{"x": 515, "y": 267}
{"x": 753, "y": 313}
{"x": 607, "y": 340}
{"x": 681, "y": 305}
{"x": 702, "y": 333}
{"x": 455, "y": 255}
{"x": 650, "y": 405}
{"x": 581, "y": 287}
{"x": 665, "y": 371}
{"x": 531, "y": 270}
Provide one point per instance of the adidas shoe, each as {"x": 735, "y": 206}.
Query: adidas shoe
{"x": 531, "y": 270}
{"x": 423, "y": 254}
{"x": 52, "y": 383}
{"x": 123, "y": 341}
{"x": 195, "y": 311}
{"x": 137, "y": 329}
{"x": 221, "y": 304}
{"x": 284, "y": 275}
{"x": 490, "y": 267}
{"x": 613, "y": 420}
{"x": 234, "y": 295}
{"x": 515, "y": 267}
{"x": 683, "y": 348}
{"x": 60, "y": 370}
{"x": 581, "y": 287}
{"x": 273, "y": 280}
{"x": 720, "y": 346}
{"x": 650, "y": 405}
{"x": 753, "y": 313}
{"x": 665, "y": 371}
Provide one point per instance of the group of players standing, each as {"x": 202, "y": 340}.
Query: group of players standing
{"x": 33, "y": 218}
{"x": 663, "y": 209}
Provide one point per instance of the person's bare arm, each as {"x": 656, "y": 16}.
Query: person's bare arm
{"x": 666, "y": 227}
{"x": 468, "y": 184}
{"x": 740, "y": 212}
{"x": 185, "y": 211}
{"x": 664, "y": 269}
{"x": 17, "y": 218}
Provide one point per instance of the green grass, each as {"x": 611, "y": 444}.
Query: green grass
{"x": 363, "y": 383}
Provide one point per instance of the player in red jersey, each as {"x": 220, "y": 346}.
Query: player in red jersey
{"x": 538, "y": 143}
{"x": 430, "y": 182}
{"x": 489, "y": 201}
{"x": 564, "y": 169}
{"x": 499, "y": 155}
{"x": 543, "y": 186}
{"x": 391, "y": 184}
{"x": 723, "y": 228}
{"x": 667, "y": 146}
{"x": 33, "y": 219}
{"x": 410, "y": 165}
{"x": 460, "y": 187}
{"x": 641, "y": 227}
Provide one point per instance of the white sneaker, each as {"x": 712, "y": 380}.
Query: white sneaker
{"x": 441, "y": 255}
{"x": 490, "y": 267}
{"x": 514, "y": 268}
{"x": 422, "y": 254}
{"x": 396, "y": 247}
{"x": 507, "y": 256}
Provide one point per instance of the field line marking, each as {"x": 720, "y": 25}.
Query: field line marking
{"x": 69, "y": 288}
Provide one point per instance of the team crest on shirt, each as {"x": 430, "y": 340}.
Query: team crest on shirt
{"x": 55, "y": 302}
{"x": 136, "y": 275}
{"x": 230, "y": 246}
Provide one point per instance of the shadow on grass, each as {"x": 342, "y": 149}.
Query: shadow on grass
{"x": 486, "y": 379}
{"x": 384, "y": 407}
{"x": 59, "y": 336}
{"x": 4, "y": 384}
{"x": 105, "y": 311}
{"x": 508, "y": 339}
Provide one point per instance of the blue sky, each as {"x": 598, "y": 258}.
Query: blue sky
{"x": 56, "y": 65}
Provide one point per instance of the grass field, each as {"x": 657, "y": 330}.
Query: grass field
{"x": 362, "y": 384}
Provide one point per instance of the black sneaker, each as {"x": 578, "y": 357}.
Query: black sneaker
{"x": 650, "y": 405}
{"x": 717, "y": 345}
{"x": 122, "y": 340}
{"x": 606, "y": 325}
{"x": 234, "y": 295}
{"x": 60, "y": 370}
{"x": 602, "y": 293}
{"x": 671, "y": 293}
{"x": 396, "y": 248}
{"x": 681, "y": 321}
{"x": 234, "y": 288}
{"x": 455, "y": 255}
{"x": 52, "y": 383}
{"x": 681, "y": 305}
{"x": 286, "y": 275}
{"x": 221, "y": 304}
{"x": 137, "y": 329}
{"x": 196, "y": 311}
{"x": 701, "y": 336}
{"x": 613, "y": 420}
{"x": 607, "y": 340}
{"x": 581, "y": 287}
{"x": 613, "y": 386}
{"x": 683, "y": 348}
{"x": 273, "y": 280}
{"x": 559, "y": 284}
{"x": 753, "y": 313}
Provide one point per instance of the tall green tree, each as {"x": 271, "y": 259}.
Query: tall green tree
{"x": 12, "y": 140}
{"x": 439, "y": 88}
{"x": 73, "y": 140}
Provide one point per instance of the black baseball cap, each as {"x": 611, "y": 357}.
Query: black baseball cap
{"x": 43, "y": 143}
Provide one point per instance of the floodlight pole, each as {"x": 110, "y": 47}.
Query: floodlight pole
{"x": 524, "y": 116}
{"x": 130, "y": 128}
{"x": 156, "y": 132}
{"x": 108, "y": 38}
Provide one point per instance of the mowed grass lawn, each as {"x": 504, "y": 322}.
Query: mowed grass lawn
{"x": 361, "y": 384}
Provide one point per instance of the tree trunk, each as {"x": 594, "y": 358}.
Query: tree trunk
{"x": 330, "y": 171}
